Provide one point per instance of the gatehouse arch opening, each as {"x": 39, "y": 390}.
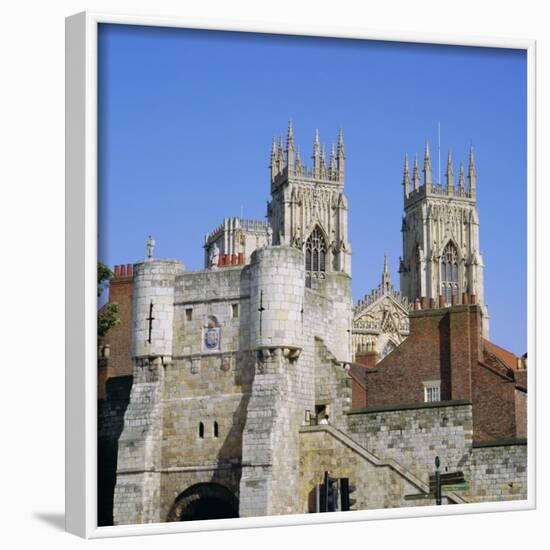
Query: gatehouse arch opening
{"x": 204, "y": 501}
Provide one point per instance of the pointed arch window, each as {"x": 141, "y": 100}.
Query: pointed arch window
{"x": 449, "y": 272}
{"x": 316, "y": 252}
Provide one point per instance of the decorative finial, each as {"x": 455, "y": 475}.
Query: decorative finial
{"x": 323, "y": 161}
{"x": 341, "y": 155}
{"x": 274, "y": 161}
{"x": 316, "y": 155}
{"x": 333, "y": 158}
{"x": 461, "y": 184}
{"x": 298, "y": 162}
{"x": 341, "y": 141}
{"x": 450, "y": 180}
{"x": 386, "y": 277}
{"x": 273, "y": 151}
{"x": 281, "y": 156}
{"x": 290, "y": 136}
{"x": 427, "y": 165}
{"x": 472, "y": 171}
{"x": 416, "y": 174}
{"x": 150, "y": 246}
{"x": 406, "y": 176}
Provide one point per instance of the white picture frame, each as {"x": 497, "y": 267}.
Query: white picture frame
{"x": 81, "y": 293}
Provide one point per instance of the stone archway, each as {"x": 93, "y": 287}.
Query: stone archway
{"x": 204, "y": 501}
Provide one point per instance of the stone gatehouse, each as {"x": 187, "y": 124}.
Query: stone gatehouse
{"x": 235, "y": 366}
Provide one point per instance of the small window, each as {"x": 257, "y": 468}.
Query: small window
{"x": 189, "y": 314}
{"x": 432, "y": 391}
{"x": 201, "y": 430}
{"x": 235, "y": 310}
{"x": 216, "y": 430}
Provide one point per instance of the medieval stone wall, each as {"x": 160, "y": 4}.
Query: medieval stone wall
{"x": 415, "y": 436}
{"x": 498, "y": 472}
{"x": 377, "y": 485}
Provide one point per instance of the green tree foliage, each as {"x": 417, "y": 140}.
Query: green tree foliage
{"x": 107, "y": 316}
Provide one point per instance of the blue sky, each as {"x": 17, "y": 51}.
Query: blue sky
{"x": 186, "y": 120}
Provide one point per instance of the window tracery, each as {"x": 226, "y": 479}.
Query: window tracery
{"x": 316, "y": 252}
{"x": 449, "y": 272}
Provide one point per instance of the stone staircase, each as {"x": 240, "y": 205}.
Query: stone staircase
{"x": 346, "y": 440}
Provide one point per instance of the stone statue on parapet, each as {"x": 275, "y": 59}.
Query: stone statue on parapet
{"x": 150, "y": 246}
{"x": 268, "y": 235}
{"x": 214, "y": 257}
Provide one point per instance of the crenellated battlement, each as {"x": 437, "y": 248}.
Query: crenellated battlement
{"x": 414, "y": 190}
{"x": 286, "y": 162}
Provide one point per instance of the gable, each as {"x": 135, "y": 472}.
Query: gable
{"x": 383, "y": 308}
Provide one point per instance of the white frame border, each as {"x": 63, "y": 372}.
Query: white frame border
{"x": 81, "y": 262}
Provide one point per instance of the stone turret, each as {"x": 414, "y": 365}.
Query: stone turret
{"x": 154, "y": 298}
{"x": 279, "y": 394}
{"x": 277, "y": 295}
{"x": 137, "y": 492}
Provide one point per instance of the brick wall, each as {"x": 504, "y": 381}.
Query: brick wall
{"x": 521, "y": 413}
{"x": 445, "y": 344}
{"x": 440, "y": 346}
{"x": 494, "y": 404}
{"x": 119, "y": 337}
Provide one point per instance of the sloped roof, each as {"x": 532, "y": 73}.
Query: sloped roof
{"x": 507, "y": 357}
{"x": 359, "y": 374}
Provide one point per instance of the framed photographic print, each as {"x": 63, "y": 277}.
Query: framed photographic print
{"x": 300, "y": 282}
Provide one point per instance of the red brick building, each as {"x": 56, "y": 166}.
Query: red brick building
{"x": 118, "y": 340}
{"x": 445, "y": 359}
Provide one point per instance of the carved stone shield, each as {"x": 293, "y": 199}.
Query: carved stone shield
{"x": 212, "y": 338}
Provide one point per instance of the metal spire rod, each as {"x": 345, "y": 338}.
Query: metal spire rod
{"x": 439, "y": 151}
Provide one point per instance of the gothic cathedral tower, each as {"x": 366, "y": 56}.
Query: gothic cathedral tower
{"x": 441, "y": 257}
{"x": 308, "y": 209}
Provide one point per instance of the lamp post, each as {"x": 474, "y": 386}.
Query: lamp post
{"x": 437, "y": 482}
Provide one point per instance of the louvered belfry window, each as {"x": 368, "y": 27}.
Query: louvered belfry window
{"x": 449, "y": 272}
